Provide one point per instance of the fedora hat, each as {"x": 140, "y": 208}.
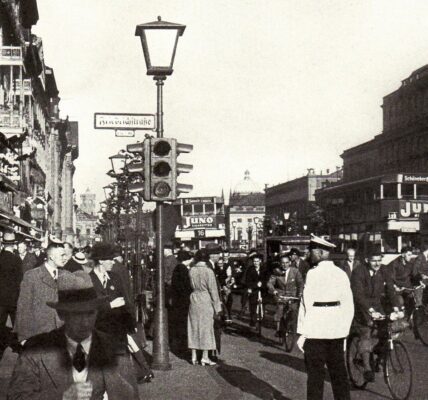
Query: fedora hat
{"x": 103, "y": 251}
{"x": 76, "y": 293}
{"x": 9, "y": 238}
{"x": 80, "y": 258}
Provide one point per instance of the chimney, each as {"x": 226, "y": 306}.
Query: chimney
{"x": 327, "y": 171}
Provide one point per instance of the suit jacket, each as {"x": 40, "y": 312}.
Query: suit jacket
{"x": 253, "y": 278}
{"x": 33, "y": 316}
{"x": 28, "y": 262}
{"x": 402, "y": 275}
{"x": 420, "y": 265}
{"x": 303, "y": 266}
{"x": 293, "y": 286}
{"x": 10, "y": 278}
{"x": 368, "y": 290}
{"x": 44, "y": 370}
{"x": 114, "y": 321}
{"x": 345, "y": 266}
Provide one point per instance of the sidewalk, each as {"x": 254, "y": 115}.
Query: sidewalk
{"x": 183, "y": 382}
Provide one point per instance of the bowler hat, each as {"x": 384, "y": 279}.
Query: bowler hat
{"x": 9, "y": 238}
{"x": 76, "y": 293}
{"x": 103, "y": 251}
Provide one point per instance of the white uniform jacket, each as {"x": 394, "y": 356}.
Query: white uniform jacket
{"x": 326, "y": 283}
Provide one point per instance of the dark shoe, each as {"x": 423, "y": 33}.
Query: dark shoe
{"x": 369, "y": 376}
{"x": 146, "y": 379}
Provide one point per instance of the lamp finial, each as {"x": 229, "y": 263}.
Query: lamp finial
{"x": 159, "y": 18}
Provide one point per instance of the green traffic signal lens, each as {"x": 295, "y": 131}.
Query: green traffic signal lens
{"x": 161, "y": 148}
{"x": 161, "y": 189}
{"x": 161, "y": 169}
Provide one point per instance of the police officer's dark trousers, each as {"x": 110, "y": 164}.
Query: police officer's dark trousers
{"x": 326, "y": 352}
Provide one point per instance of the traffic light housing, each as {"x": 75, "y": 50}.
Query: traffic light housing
{"x": 164, "y": 169}
{"x": 158, "y": 169}
{"x": 140, "y": 168}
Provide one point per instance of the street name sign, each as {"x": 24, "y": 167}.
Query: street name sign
{"x": 123, "y": 121}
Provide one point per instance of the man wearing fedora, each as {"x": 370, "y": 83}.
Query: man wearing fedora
{"x": 29, "y": 260}
{"x": 75, "y": 362}
{"x": 10, "y": 279}
{"x": 325, "y": 316}
{"x": 38, "y": 286}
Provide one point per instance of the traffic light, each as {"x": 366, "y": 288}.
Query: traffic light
{"x": 140, "y": 168}
{"x": 158, "y": 169}
{"x": 164, "y": 169}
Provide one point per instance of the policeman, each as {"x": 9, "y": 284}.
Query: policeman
{"x": 325, "y": 317}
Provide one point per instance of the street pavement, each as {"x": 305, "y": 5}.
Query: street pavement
{"x": 251, "y": 368}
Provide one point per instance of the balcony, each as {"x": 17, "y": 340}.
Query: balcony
{"x": 10, "y": 55}
{"x": 26, "y": 86}
{"x": 11, "y": 122}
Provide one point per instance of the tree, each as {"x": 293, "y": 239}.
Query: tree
{"x": 316, "y": 216}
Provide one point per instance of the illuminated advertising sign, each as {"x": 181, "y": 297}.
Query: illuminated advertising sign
{"x": 411, "y": 178}
{"x": 201, "y": 221}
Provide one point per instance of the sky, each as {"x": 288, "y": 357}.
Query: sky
{"x": 275, "y": 87}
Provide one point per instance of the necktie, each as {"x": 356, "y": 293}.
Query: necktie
{"x": 105, "y": 278}
{"x": 79, "y": 358}
{"x": 55, "y": 275}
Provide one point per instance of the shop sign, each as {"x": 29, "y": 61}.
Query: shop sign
{"x": 202, "y": 221}
{"x": 199, "y": 200}
{"x": 415, "y": 178}
{"x": 200, "y": 233}
{"x": 411, "y": 208}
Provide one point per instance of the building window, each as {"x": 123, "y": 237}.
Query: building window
{"x": 187, "y": 209}
{"x": 198, "y": 208}
{"x": 239, "y": 220}
{"x": 250, "y": 220}
{"x": 407, "y": 190}
{"x": 209, "y": 208}
{"x": 389, "y": 190}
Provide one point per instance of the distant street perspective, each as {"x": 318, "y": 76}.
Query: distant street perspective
{"x": 141, "y": 257}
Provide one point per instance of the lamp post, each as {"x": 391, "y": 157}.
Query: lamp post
{"x": 286, "y": 218}
{"x": 256, "y": 223}
{"x": 234, "y": 233}
{"x": 250, "y": 235}
{"x": 159, "y": 40}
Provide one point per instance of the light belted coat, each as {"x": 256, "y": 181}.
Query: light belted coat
{"x": 204, "y": 302}
{"x": 326, "y": 283}
{"x": 33, "y": 316}
{"x": 44, "y": 370}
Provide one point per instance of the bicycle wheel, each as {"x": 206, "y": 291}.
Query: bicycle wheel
{"x": 290, "y": 340}
{"x": 398, "y": 372}
{"x": 354, "y": 363}
{"x": 420, "y": 320}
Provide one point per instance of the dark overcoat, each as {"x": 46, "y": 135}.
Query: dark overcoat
{"x": 10, "y": 278}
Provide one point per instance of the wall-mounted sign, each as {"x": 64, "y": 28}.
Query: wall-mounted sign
{"x": 199, "y": 233}
{"x": 199, "y": 200}
{"x": 415, "y": 178}
{"x": 411, "y": 208}
{"x": 202, "y": 221}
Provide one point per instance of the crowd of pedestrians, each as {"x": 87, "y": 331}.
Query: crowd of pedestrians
{"x": 79, "y": 303}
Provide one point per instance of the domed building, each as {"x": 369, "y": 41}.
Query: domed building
{"x": 245, "y": 214}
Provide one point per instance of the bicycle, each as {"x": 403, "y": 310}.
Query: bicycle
{"x": 390, "y": 355}
{"x": 260, "y": 312}
{"x": 287, "y": 327}
{"x": 418, "y": 315}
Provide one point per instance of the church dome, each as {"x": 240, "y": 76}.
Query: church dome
{"x": 246, "y": 186}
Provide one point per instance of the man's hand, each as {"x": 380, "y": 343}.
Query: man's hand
{"x": 118, "y": 302}
{"x": 300, "y": 343}
{"x": 259, "y": 284}
{"x": 249, "y": 291}
{"x": 78, "y": 391}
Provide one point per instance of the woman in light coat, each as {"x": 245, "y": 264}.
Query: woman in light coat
{"x": 205, "y": 305}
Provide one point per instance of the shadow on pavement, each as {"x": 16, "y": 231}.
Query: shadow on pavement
{"x": 247, "y": 382}
{"x": 296, "y": 363}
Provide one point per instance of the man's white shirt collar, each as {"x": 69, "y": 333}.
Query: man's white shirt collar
{"x": 51, "y": 270}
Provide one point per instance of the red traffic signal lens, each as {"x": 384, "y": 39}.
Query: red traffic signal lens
{"x": 161, "y": 189}
{"x": 161, "y": 169}
{"x": 161, "y": 148}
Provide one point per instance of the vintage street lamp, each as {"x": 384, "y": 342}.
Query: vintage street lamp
{"x": 108, "y": 191}
{"x": 250, "y": 236}
{"x": 286, "y": 218}
{"x": 159, "y": 40}
{"x": 118, "y": 162}
{"x": 256, "y": 222}
{"x": 234, "y": 233}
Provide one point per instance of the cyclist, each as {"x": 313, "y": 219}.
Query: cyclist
{"x": 256, "y": 282}
{"x": 373, "y": 291}
{"x": 285, "y": 281}
{"x": 421, "y": 275}
{"x": 403, "y": 276}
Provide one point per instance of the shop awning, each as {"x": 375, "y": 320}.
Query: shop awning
{"x": 18, "y": 221}
{"x": 28, "y": 236}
